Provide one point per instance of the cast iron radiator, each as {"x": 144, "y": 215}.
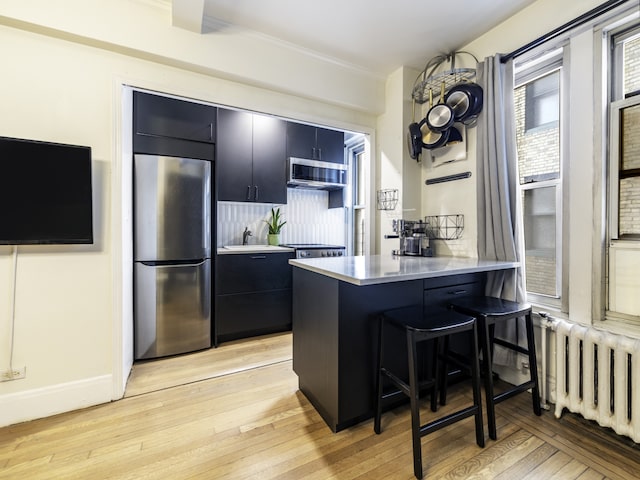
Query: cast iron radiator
{"x": 595, "y": 373}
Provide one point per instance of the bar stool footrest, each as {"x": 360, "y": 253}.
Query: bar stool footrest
{"x": 403, "y": 386}
{"x": 447, "y": 420}
{"x": 513, "y": 391}
{"x": 511, "y": 346}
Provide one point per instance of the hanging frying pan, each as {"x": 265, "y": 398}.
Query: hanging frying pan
{"x": 465, "y": 99}
{"x": 414, "y": 137}
{"x": 431, "y": 138}
{"x": 440, "y": 116}
{"x": 454, "y": 135}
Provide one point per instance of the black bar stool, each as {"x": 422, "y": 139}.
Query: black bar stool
{"x": 419, "y": 327}
{"x": 489, "y": 311}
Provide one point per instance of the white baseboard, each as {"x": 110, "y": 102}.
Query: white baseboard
{"x": 43, "y": 402}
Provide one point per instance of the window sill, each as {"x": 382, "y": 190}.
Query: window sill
{"x": 619, "y": 324}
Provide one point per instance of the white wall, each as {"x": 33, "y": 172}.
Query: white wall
{"x": 394, "y": 168}
{"x": 67, "y": 87}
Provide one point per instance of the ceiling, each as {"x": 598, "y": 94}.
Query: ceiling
{"x": 376, "y": 35}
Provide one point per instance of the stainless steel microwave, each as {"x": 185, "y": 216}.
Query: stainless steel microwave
{"x": 315, "y": 174}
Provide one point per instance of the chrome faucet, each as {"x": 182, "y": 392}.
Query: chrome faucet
{"x": 245, "y": 235}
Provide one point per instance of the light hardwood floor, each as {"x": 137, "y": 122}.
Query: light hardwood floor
{"x": 235, "y": 413}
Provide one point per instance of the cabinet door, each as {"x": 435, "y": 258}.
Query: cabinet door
{"x": 269, "y": 159}
{"x": 301, "y": 141}
{"x": 234, "y": 156}
{"x": 330, "y": 145}
{"x": 172, "y": 118}
{"x": 244, "y": 273}
{"x": 246, "y": 315}
{"x": 253, "y": 295}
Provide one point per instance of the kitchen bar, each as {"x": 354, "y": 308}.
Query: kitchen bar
{"x": 335, "y": 304}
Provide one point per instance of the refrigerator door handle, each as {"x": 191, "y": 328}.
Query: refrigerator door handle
{"x": 173, "y": 265}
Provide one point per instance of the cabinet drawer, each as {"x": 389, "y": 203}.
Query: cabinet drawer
{"x": 444, "y": 292}
{"x": 240, "y": 273}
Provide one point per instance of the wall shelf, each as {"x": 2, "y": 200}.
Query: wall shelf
{"x": 387, "y": 199}
{"x": 444, "y": 227}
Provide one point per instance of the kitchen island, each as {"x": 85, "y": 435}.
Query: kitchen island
{"x": 336, "y": 302}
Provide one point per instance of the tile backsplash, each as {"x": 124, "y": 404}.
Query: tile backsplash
{"x": 306, "y": 213}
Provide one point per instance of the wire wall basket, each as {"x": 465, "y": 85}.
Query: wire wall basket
{"x": 387, "y": 199}
{"x": 444, "y": 227}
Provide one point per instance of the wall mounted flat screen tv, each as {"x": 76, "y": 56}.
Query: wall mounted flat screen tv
{"x": 45, "y": 193}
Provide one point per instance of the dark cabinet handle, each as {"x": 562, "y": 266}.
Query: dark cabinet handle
{"x": 319, "y": 153}
{"x": 211, "y": 131}
{"x": 457, "y": 292}
{"x": 255, "y": 196}
{"x": 258, "y": 257}
{"x": 248, "y": 192}
{"x": 313, "y": 153}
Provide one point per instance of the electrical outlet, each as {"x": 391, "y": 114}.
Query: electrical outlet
{"x": 13, "y": 374}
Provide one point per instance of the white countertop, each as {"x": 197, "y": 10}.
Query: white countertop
{"x": 374, "y": 269}
{"x": 235, "y": 249}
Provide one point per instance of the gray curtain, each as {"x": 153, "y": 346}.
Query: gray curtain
{"x": 500, "y": 230}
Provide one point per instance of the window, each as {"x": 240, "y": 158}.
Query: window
{"x": 359, "y": 200}
{"x": 623, "y": 302}
{"x": 357, "y": 214}
{"x": 542, "y": 102}
{"x": 624, "y": 218}
{"x": 538, "y": 113}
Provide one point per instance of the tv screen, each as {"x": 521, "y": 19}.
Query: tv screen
{"x": 45, "y": 193}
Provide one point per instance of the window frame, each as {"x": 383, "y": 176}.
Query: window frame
{"x": 616, "y": 108}
{"x": 357, "y": 152}
{"x": 618, "y": 101}
{"x": 528, "y": 69}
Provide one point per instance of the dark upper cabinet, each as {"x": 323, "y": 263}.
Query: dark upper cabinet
{"x": 160, "y": 116}
{"x": 330, "y": 145}
{"x": 315, "y": 143}
{"x": 269, "y": 159}
{"x": 251, "y": 157}
{"x": 234, "y": 154}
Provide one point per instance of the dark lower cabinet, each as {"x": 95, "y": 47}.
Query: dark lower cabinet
{"x": 335, "y": 335}
{"x": 249, "y": 314}
{"x": 253, "y": 295}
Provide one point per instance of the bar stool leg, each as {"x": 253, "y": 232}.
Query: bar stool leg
{"x": 487, "y": 362}
{"x": 475, "y": 374}
{"x": 444, "y": 374}
{"x": 533, "y": 365}
{"x": 436, "y": 372}
{"x": 414, "y": 393}
{"x": 378, "y": 401}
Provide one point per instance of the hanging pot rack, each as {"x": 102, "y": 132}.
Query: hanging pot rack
{"x": 432, "y": 81}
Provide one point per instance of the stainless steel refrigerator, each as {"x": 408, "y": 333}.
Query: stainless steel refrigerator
{"x": 172, "y": 255}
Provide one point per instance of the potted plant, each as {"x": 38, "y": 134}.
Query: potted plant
{"x": 275, "y": 226}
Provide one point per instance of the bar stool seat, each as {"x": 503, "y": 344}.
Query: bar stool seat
{"x": 489, "y": 311}
{"x": 418, "y": 327}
